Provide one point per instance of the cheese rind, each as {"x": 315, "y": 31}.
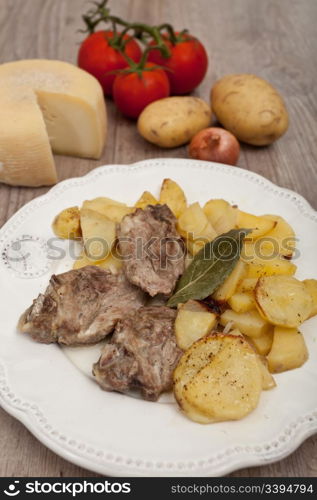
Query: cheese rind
{"x": 47, "y": 106}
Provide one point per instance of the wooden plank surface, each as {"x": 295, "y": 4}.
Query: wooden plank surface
{"x": 272, "y": 38}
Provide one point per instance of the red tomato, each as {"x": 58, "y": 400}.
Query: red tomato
{"x": 98, "y": 57}
{"x": 187, "y": 64}
{"x": 135, "y": 90}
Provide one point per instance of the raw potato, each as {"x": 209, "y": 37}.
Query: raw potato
{"x": 249, "y": 323}
{"x": 99, "y": 233}
{"x": 250, "y": 108}
{"x": 193, "y": 321}
{"x": 112, "y": 209}
{"x": 112, "y": 262}
{"x": 288, "y": 351}
{"x": 218, "y": 378}
{"x": 173, "y": 196}
{"x": 311, "y": 286}
{"x": 259, "y": 224}
{"x": 228, "y": 288}
{"x": 173, "y": 121}
{"x": 242, "y": 302}
{"x": 66, "y": 224}
{"x": 146, "y": 199}
{"x": 222, "y": 216}
{"x": 283, "y": 300}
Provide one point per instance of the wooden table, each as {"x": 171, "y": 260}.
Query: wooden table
{"x": 274, "y": 39}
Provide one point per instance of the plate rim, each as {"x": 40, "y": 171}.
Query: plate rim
{"x": 230, "y": 459}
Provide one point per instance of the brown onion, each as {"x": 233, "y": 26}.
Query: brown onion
{"x": 215, "y": 144}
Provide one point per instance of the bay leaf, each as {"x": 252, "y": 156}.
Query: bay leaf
{"x": 210, "y": 267}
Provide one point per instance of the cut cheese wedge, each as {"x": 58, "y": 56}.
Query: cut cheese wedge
{"x": 47, "y": 106}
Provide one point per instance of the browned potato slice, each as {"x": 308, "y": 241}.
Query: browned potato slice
{"x": 112, "y": 209}
{"x": 276, "y": 266}
{"x": 146, "y": 199}
{"x": 173, "y": 196}
{"x": 219, "y": 378}
{"x": 259, "y": 224}
{"x": 283, "y": 300}
{"x": 261, "y": 262}
{"x": 193, "y": 360}
{"x": 99, "y": 233}
{"x": 311, "y": 286}
{"x": 66, "y": 224}
{"x": 288, "y": 351}
{"x": 242, "y": 302}
{"x": 268, "y": 381}
{"x": 222, "y": 216}
{"x": 112, "y": 262}
{"x": 263, "y": 343}
{"x": 249, "y": 323}
{"x": 228, "y": 288}
{"x": 283, "y": 236}
{"x": 193, "y": 322}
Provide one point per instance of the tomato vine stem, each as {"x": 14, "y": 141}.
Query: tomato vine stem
{"x": 101, "y": 14}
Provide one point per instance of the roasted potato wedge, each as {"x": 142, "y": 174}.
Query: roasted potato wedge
{"x": 146, "y": 199}
{"x": 242, "y": 302}
{"x": 288, "y": 351}
{"x": 194, "y": 226}
{"x": 222, "y": 216}
{"x": 218, "y": 378}
{"x": 249, "y": 323}
{"x": 247, "y": 285}
{"x": 173, "y": 196}
{"x": 193, "y": 321}
{"x": 66, "y": 224}
{"x": 263, "y": 343}
{"x": 99, "y": 233}
{"x": 112, "y": 209}
{"x": 283, "y": 300}
{"x": 228, "y": 288}
{"x": 311, "y": 286}
{"x": 259, "y": 224}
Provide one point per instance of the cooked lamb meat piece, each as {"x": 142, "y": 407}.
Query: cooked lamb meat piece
{"x": 80, "y": 307}
{"x": 142, "y": 353}
{"x": 152, "y": 250}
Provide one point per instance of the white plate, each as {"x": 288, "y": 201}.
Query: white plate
{"x": 118, "y": 435}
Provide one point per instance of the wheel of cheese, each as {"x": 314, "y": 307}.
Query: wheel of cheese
{"x": 47, "y": 106}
